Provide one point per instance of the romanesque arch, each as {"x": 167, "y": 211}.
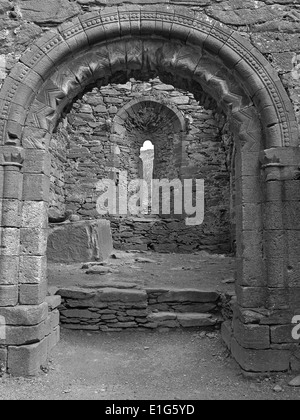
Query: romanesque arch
{"x": 193, "y": 52}
{"x": 148, "y": 116}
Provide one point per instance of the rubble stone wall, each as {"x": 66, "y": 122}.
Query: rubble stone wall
{"x": 83, "y": 153}
{"x": 111, "y": 309}
{"x": 267, "y": 182}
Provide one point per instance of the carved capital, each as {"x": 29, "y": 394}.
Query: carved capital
{"x": 12, "y": 156}
{"x": 281, "y": 163}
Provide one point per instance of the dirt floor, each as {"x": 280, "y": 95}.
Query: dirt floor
{"x": 177, "y": 365}
{"x": 174, "y": 365}
{"x": 200, "y": 270}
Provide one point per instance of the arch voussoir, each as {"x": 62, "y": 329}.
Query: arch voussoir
{"x": 74, "y": 34}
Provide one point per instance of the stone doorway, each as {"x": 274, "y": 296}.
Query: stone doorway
{"x": 204, "y": 58}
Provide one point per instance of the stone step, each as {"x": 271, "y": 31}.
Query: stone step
{"x": 182, "y": 300}
{"x": 182, "y": 295}
{"x": 184, "y": 320}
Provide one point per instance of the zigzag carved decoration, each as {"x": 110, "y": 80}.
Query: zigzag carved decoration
{"x": 169, "y": 25}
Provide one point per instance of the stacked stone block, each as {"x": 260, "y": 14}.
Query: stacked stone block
{"x": 169, "y": 235}
{"x": 114, "y": 309}
{"x": 28, "y": 334}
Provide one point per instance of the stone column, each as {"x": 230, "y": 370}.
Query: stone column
{"x": 261, "y": 339}
{"x": 23, "y": 280}
{"x": 11, "y": 161}
{"x": 11, "y": 196}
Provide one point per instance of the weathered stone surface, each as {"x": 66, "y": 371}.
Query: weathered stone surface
{"x": 53, "y": 339}
{"x": 124, "y": 325}
{"x": 23, "y": 335}
{"x": 27, "y": 360}
{"x": 137, "y": 313}
{"x": 99, "y": 270}
{"x": 8, "y": 295}
{"x": 226, "y": 332}
{"x": 79, "y": 241}
{"x": 33, "y": 269}
{"x": 76, "y": 293}
{"x": 34, "y": 214}
{"x": 36, "y": 187}
{"x": 295, "y": 381}
{"x": 53, "y": 301}
{"x": 9, "y": 270}
{"x": 194, "y": 307}
{"x": 33, "y": 241}
{"x": 10, "y": 238}
{"x": 25, "y": 314}
{"x": 32, "y": 294}
{"x": 282, "y": 333}
{"x": 196, "y": 320}
{"x": 56, "y": 11}
{"x": 260, "y": 360}
{"x": 188, "y": 296}
{"x": 101, "y": 284}
{"x": 80, "y": 190}
{"x": 79, "y": 313}
{"x": 251, "y": 335}
{"x": 54, "y": 319}
{"x": 3, "y": 359}
{"x": 161, "y": 317}
{"x": 119, "y": 295}
{"x": 240, "y": 14}
{"x": 272, "y": 26}
{"x": 82, "y": 327}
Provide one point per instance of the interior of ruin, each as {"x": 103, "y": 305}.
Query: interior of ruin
{"x": 101, "y": 95}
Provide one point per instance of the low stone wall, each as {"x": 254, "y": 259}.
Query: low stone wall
{"x": 183, "y": 301}
{"x": 169, "y": 235}
{"x": 29, "y": 335}
{"x": 111, "y": 309}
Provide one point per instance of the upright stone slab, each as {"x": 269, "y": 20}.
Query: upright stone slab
{"x": 88, "y": 240}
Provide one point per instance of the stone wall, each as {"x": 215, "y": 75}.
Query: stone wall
{"x": 170, "y": 235}
{"x": 83, "y": 153}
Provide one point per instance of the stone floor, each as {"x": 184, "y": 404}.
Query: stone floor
{"x": 199, "y": 270}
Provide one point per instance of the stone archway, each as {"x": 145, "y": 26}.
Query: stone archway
{"x": 203, "y": 56}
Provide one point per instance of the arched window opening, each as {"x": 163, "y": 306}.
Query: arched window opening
{"x": 147, "y": 157}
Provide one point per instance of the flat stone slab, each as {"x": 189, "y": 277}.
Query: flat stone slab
{"x": 99, "y": 270}
{"x": 121, "y": 295}
{"x": 188, "y": 295}
{"x": 76, "y": 293}
{"x": 88, "y": 240}
{"x": 110, "y": 284}
{"x": 183, "y": 319}
{"x": 79, "y": 313}
{"x": 295, "y": 381}
{"x": 196, "y": 320}
{"x": 162, "y": 316}
{"x": 25, "y": 315}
